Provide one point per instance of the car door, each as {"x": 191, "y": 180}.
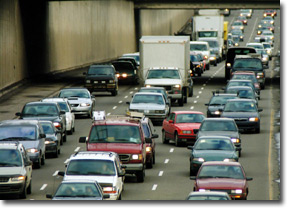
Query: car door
{"x": 168, "y": 128}
{"x": 120, "y": 177}
{"x": 27, "y": 166}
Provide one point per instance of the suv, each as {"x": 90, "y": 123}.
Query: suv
{"x": 50, "y": 111}
{"x": 122, "y": 135}
{"x": 104, "y": 167}
{"x": 101, "y": 78}
{"x": 29, "y": 133}
{"x": 15, "y": 169}
{"x": 251, "y": 62}
{"x": 231, "y": 54}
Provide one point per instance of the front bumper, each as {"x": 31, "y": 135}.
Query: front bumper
{"x": 246, "y": 125}
{"x": 11, "y": 188}
{"x": 101, "y": 87}
{"x": 51, "y": 148}
{"x": 133, "y": 168}
{"x": 80, "y": 110}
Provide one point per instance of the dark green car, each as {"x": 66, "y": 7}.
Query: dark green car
{"x": 211, "y": 148}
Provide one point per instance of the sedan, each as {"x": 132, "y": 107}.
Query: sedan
{"x": 221, "y": 127}
{"x": 208, "y": 196}
{"x": 244, "y": 112}
{"x": 181, "y": 127}
{"x": 211, "y": 148}
{"x": 237, "y": 33}
{"x": 80, "y": 99}
{"x": 153, "y": 105}
{"x": 248, "y": 75}
{"x": 222, "y": 176}
{"x": 78, "y": 190}
{"x": 245, "y": 92}
{"x": 53, "y": 138}
{"x": 217, "y": 102}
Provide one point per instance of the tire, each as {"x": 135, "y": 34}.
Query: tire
{"x": 164, "y": 139}
{"x": 55, "y": 154}
{"x": 23, "y": 195}
{"x": 176, "y": 139}
{"x": 181, "y": 101}
{"x": 257, "y": 130}
{"x": 29, "y": 189}
{"x": 38, "y": 164}
{"x": 70, "y": 132}
{"x": 43, "y": 159}
{"x": 140, "y": 175}
{"x": 64, "y": 137}
{"x": 150, "y": 164}
{"x": 208, "y": 67}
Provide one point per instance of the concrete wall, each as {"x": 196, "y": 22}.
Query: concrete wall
{"x": 12, "y": 50}
{"x": 71, "y": 34}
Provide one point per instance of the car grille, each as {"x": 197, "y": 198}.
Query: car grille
{"x": 195, "y": 131}
{"x": 74, "y": 105}
{"x": 166, "y": 87}
{"x": 240, "y": 119}
{"x": 124, "y": 157}
{"x": 4, "y": 179}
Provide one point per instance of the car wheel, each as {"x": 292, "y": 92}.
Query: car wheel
{"x": 181, "y": 101}
{"x": 154, "y": 157}
{"x": 29, "y": 189}
{"x": 55, "y": 154}
{"x": 140, "y": 175}
{"x": 43, "y": 159}
{"x": 70, "y": 132}
{"x": 150, "y": 164}
{"x": 64, "y": 137}
{"x": 164, "y": 139}
{"x": 257, "y": 130}
{"x": 39, "y": 163}
{"x": 73, "y": 129}
{"x": 23, "y": 195}
{"x": 208, "y": 67}
{"x": 176, "y": 139}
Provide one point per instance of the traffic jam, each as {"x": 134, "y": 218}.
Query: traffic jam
{"x": 187, "y": 117}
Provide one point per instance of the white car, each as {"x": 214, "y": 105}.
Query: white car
{"x": 203, "y": 48}
{"x": 65, "y": 106}
{"x": 257, "y": 46}
{"x": 103, "y": 167}
{"x": 268, "y": 48}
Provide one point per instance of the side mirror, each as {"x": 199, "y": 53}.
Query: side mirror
{"x": 93, "y": 96}
{"x": 106, "y": 195}
{"x": 128, "y": 103}
{"x": 237, "y": 149}
{"x": 18, "y": 114}
{"x": 249, "y": 178}
{"x": 148, "y": 140}
{"x": 61, "y": 173}
{"x": 206, "y": 104}
{"x": 28, "y": 163}
{"x": 62, "y": 112}
{"x": 42, "y": 135}
{"x": 193, "y": 177}
{"x": 82, "y": 140}
{"x": 155, "y": 136}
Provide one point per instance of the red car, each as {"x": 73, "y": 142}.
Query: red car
{"x": 222, "y": 176}
{"x": 181, "y": 127}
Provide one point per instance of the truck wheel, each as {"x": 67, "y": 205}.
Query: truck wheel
{"x": 181, "y": 101}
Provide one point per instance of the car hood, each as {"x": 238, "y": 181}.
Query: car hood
{"x": 147, "y": 106}
{"x": 221, "y": 183}
{"x": 214, "y": 155}
{"x": 10, "y": 171}
{"x": 98, "y": 178}
{"x": 30, "y": 144}
{"x": 120, "y": 148}
{"x": 78, "y": 100}
{"x": 160, "y": 81}
{"x": 188, "y": 126}
{"x": 231, "y": 134}
{"x": 239, "y": 114}
{"x": 46, "y": 118}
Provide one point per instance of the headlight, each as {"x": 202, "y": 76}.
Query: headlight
{"x": 117, "y": 75}
{"x": 186, "y": 132}
{"x": 124, "y": 75}
{"x": 265, "y": 15}
{"x": 235, "y": 140}
{"x": 241, "y": 37}
{"x": 136, "y": 157}
{"x": 236, "y": 44}
{"x": 199, "y": 159}
{"x": 49, "y": 142}
{"x": 241, "y": 28}
{"x": 18, "y": 178}
{"x": 217, "y": 112}
{"x": 32, "y": 150}
{"x": 229, "y": 159}
{"x": 148, "y": 149}
{"x": 205, "y": 57}
{"x": 95, "y": 82}
{"x": 57, "y": 125}
{"x": 212, "y": 58}
{"x": 260, "y": 26}
{"x": 87, "y": 81}
{"x": 159, "y": 111}
{"x": 111, "y": 81}
{"x": 236, "y": 191}
{"x": 254, "y": 119}
{"x": 109, "y": 189}
{"x": 147, "y": 85}
{"x": 203, "y": 190}
{"x": 228, "y": 65}
{"x": 85, "y": 104}
{"x": 178, "y": 86}
{"x": 260, "y": 75}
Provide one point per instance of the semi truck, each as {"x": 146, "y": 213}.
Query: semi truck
{"x": 165, "y": 62}
{"x": 209, "y": 24}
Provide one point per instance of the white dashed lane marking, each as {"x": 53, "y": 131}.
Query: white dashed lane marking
{"x": 44, "y": 186}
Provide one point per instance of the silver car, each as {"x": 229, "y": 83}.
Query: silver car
{"x": 80, "y": 99}
{"x": 151, "y": 104}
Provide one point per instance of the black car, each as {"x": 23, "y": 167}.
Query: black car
{"x": 211, "y": 148}
{"x": 126, "y": 71}
{"x": 198, "y": 64}
{"x": 53, "y": 138}
{"x": 231, "y": 54}
{"x": 221, "y": 127}
{"x": 50, "y": 111}
{"x": 238, "y": 33}
{"x": 101, "y": 78}
{"x": 217, "y": 102}
{"x": 244, "y": 112}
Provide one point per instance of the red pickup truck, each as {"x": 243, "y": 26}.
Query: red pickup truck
{"x": 122, "y": 135}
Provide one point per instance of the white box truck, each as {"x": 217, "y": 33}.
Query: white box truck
{"x": 209, "y": 25}
{"x": 165, "y": 62}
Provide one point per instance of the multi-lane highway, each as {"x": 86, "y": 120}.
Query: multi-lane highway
{"x": 169, "y": 178}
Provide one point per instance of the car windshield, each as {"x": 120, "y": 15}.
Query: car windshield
{"x": 218, "y": 126}
{"x": 194, "y": 58}
{"x": 124, "y": 67}
{"x": 40, "y": 110}
{"x": 214, "y": 144}
{"x": 74, "y": 93}
{"x": 248, "y": 64}
{"x": 15, "y": 132}
{"x": 147, "y": 98}
{"x": 10, "y": 158}
{"x": 240, "y": 107}
{"x": 236, "y": 32}
{"x": 154, "y": 91}
{"x": 159, "y": 74}
{"x": 207, "y": 34}
{"x": 267, "y": 45}
{"x": 100, "y": 70}
{"x": 91, "y": 167}
{"x": 48, "y": 128}
{"x": 213, "y": 44}
{"x": 221, "y": 171}
{"x": 189, "y": 118}
{"x": 208, "y": 197}
{"x": 77, "y": 190}
{"x": 115, "y": 134}
{"x": 220, "y": 100}
{"x": 63, "y": 106}
{"x": 198, "y": 47}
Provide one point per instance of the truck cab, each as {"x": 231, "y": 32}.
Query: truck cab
{"x": 122, "y": 135}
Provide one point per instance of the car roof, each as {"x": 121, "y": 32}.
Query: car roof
{"x": 118, "y": 120}
{"x": 218, "y": 119}
{"x": 79, "y": 181}
{"x": 214, "y": 136}
{"x": 224, "y": 94}
{"x": 148, "y": 93}
{"x": 10, "y": 145}
{"x": 55, "y": 99}
{"x": 241, "y": 100}
{"x": 74, "y": 88}
{"x": 244, "y": 72}
{"x": 41, "y": 103}
{"x": 214, "y": 193}
{"x": 152, "y": 88}
{"x": 186, "y": 112}
{"x": 19, "y": 122}
{"x": 199, "y": 42}
{"x": 222, "y": 163}
{"x": 101, "y": 65}
{"x": 101, "y": 155}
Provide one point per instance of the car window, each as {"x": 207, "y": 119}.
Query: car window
{"x": 10, "y": 158}
{"x": 94, "y": 70}
{"x": 198, "y": 47}
{"x": 189, "y": 118}
{"x": 146, "y": 98}
{"x": 171, "y": 117}
{"x": 64, "y": 106}
{"x": 40, "y": 110}
{"x": 221, "y": 100}
{"x": 248, "y": 64}
{"x": 74, "y": 93}
{"x": 115, "y": 134}
{"x": 48, "y": 128}
{"x": 18, "y": 133}
{"x": 146, "y": 130}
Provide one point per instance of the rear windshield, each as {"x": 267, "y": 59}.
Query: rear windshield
{"x": 249, "y": 64}
{"x": 40, "y": 110}
{"x": 100, "y": 71}
{"x": 218, "y": 126}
